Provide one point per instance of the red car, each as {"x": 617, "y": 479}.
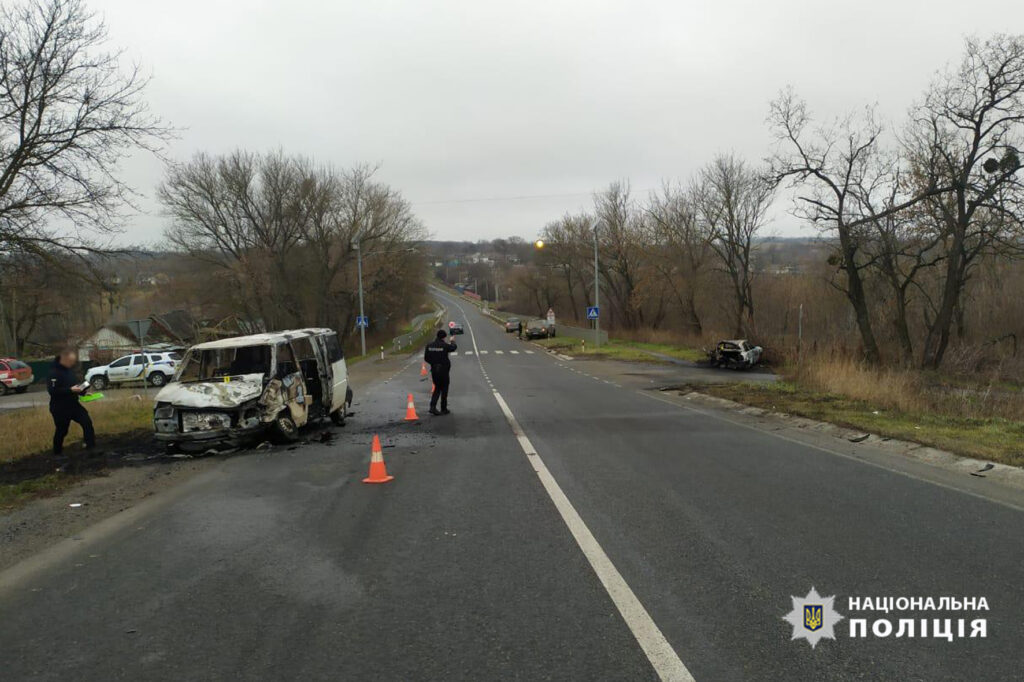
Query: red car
{"x": 15, "y": 376}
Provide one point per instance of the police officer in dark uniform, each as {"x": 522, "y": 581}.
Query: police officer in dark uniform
{"x": 436, "y": 355}
{"x": 64, "y": 391}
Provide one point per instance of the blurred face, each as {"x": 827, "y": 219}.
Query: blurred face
{"x": 68, "y": 358}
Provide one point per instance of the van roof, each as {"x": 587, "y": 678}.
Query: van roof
{"x": 264, "y": 339}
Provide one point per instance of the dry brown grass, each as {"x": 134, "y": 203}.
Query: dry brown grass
{"x": 30, "y": 431}
{"x": 910, "y": 391}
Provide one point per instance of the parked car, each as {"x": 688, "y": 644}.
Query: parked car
{"x": 511, "y": 325}
{"x": 235, "y": 390}
{"x": 539, "y": 329}
{"x": 156, "y": 368}
{"x": 736, "y": 353}
{"x": 15, "y": 376}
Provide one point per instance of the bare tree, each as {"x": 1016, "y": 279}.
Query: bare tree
{"x": 69, "y": 114}
{"x": 568, "y": 248}
{"x": 966, "y": 135}
{"x": 621, "y": 250}
{"x": 844, "y": 179}
{"x": 682, "y": 248}
{"x": 285, "y": 232}
{"x": 732, "y": 200}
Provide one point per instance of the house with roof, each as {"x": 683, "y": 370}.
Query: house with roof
{"x": 173, "y": 330}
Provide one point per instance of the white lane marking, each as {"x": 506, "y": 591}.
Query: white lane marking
{"x": 499, "y": 352}
{"x": 468, "y": 352}
{"x": 663, "y": 658}
{"x": 481, "y": 352}
{"x": 454, "y": 352}
{"x": 514, "y": 352}
{"x": 659, "y": 652}
{"x": 528, "y": 352}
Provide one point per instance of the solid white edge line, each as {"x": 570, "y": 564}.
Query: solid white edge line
{"x": 660, "y": 653}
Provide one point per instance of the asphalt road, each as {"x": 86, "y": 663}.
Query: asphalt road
{"x": 561, "y": 524}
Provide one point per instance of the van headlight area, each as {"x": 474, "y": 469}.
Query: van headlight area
{"x": 204, "y": 421}
{"x": 172, "y": 423}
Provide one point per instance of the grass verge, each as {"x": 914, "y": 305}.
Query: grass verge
{"x": 992, "y": 438}
{"x": 30, "y": 431}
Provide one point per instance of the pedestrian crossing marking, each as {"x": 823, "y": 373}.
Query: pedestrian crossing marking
{"x": 514, "y": 352}
{"x": 483, "y": 352}
{"x": 468, "y": 352}
{"x": 528, "y": 352}
{"x": 499, "y": 352}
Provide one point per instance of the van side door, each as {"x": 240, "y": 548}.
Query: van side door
{"x": 339, "y": 371}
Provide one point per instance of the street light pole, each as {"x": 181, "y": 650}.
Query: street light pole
{"x": 597, "y": 291}
{"x": 362, "y": 315}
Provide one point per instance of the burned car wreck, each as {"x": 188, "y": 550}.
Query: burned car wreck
{"x": 237, "y": 390}
{"x": 735, "y": 353}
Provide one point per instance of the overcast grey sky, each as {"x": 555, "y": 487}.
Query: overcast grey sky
{"x": 476, "y": 99}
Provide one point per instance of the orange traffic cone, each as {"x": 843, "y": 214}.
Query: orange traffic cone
{"x": 410, "y": 411}
{"x": 423, "y": 369}
{"x": 378, "y": 472}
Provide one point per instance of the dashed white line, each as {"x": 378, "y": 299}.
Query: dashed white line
{"x": 514, "y": 352}
{"x": 499, "y": 352}
{"x": 481, "y": 352}
{"x": 528, "y": 352}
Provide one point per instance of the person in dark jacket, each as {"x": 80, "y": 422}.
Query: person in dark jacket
{"x": 436, "y": 355}
{"x": 519, "y": 329}
{"x": 64, "y": 391}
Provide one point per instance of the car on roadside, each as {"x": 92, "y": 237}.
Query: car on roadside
{"x": 539, "y": 329}
{"x": 456, "y": 328}
{"x": 154, "y": 368}
{"x": 735, "y": 353}
{"x": 511, "y": 325}
{"x": 15, "y": 376}
{"x": 238, "y": 390}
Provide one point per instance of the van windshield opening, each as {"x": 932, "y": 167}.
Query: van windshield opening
{"x": 216, "y": 363}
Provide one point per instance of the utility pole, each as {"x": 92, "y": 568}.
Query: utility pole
{"x": 597, "y": 291}
{"x": 362, "y": 315}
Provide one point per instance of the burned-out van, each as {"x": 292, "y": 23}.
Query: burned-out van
{"x": 240, "y": 389}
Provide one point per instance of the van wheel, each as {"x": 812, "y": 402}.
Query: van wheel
{"x": 3, "y": 389}
{"x": 284, "y": 430}
{"x": 338, "y": 416}
{"x": 157, "y": 379}
{"x": 21, "y": 389}
{"x": 99, "y": 383}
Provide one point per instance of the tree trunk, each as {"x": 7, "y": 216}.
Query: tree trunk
{"x": 858, "y": 299}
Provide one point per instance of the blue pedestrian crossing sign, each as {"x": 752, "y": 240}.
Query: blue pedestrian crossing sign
{"x": 593, "y": 312}
{"x": 362, "y": 321}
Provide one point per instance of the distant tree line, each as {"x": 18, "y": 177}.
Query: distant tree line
{"x": 921, "y": 217}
